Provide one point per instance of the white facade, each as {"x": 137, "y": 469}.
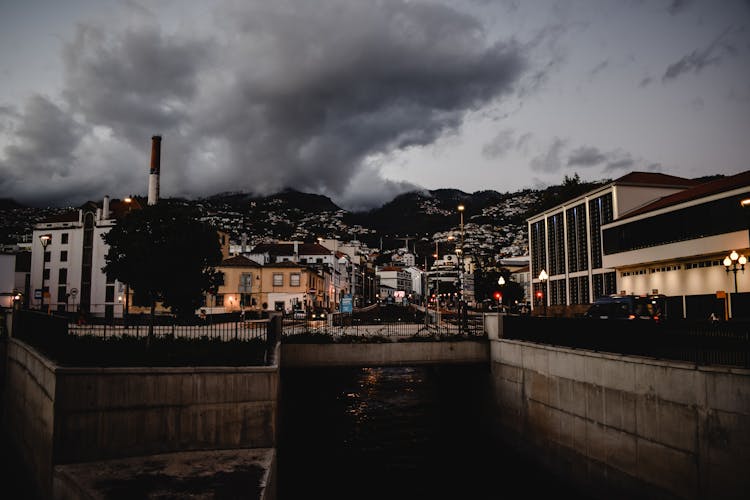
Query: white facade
{"x": 76, "y": 246}
{"x": 555, "y": 239}
{"x": 656, "y": 241}
{"x": 7, "y": 279}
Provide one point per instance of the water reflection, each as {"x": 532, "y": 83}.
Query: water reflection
{"x": 395, "y": 433}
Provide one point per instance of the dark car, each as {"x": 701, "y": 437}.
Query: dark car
{"x": 628, "y": 307}
{"x": 317, "y": 315}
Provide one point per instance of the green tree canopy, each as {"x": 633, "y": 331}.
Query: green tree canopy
{"x": 164, "y": 253}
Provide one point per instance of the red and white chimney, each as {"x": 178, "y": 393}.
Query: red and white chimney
{"x": 153, "y": 178}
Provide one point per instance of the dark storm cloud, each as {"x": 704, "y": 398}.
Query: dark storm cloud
{"x": 283, "y": 94}
{"x": 699, "y": 59}
{"x": 51, "y": 160}
{"x": 677, "y": 6}
{"x": 499, "y": 145}
{"x": 586, "y": 157}
{"x": 549, "y": 161}
{"x": 332, "y": 83}
{"x": 134, "y": 83}
{"x": 589, "y": 157}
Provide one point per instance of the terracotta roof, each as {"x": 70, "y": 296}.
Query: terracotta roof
{"x": 702, "y": 190}
{"x": 286, "y": 263}
{"x": 654, "y": 179}
{"x": 288, "y": 249}
{"x": 239, "y": 261}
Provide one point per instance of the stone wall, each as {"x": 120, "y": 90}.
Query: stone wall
{"x": 625, "y": 427}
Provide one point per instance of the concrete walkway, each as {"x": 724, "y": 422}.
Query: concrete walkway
{"x": 241, "y": 474}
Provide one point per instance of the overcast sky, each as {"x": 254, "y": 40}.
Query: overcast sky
{"x": 362, "y": 100}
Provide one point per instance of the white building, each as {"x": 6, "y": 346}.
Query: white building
{"x": 645, "y": 233}
{"x": 69, "y": 270}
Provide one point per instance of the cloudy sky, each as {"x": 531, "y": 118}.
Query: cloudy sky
{"x": 362, "y": 100}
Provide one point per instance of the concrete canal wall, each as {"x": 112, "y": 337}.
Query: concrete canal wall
{"x": 58, "y": 415}
{"x": 385, "y": 354}
{"x": 625, "y": 427}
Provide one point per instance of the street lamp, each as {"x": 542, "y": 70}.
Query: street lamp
{"x": 735, "y": 262}
{"x": 499, "y": 295}
{"x": 543, "y": 279}
{"x": 459, "y": 254}
{"x": 45, "y": 239}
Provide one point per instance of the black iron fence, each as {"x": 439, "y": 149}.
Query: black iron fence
{"x": 56, "y": 336}
{"x": 225, "y": 330}
{"x": 409, "y": 325}
{"x": 699, "y": 342}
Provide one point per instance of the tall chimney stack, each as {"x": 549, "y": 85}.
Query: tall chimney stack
{"x": 153, "y": 178}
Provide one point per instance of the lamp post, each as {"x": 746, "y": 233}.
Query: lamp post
{"x": 543, "y": 279}
{"x": 45, "y": 239}
{"x": 735, "y": 262}
{"x": 501, "y": 283}
{"x": 459, "y": 254}
{"x": 129, "y": 202}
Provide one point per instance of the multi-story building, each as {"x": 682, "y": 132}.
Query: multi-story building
{"x": 397, "y": 278}
{"x": 239, "y": 288}
{"x": 677, "y": 246}
{"x": 67, "y": 258}
{"x": 280, "y": 286}
{"x": 642, "y": 233}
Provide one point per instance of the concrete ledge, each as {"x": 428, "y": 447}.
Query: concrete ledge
{"x": 240, "y": 473}
{"x": 385, "y": 354}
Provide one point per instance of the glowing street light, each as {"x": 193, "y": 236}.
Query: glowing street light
{"x": 543, "y": 279}
{"x": 733, "y": 263}
{"x": 45, "y": 239}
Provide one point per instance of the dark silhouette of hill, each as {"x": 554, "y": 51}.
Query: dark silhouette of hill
{"x": 9, "y": 203}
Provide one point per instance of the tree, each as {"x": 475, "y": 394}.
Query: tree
{"x": 164, "y": 253}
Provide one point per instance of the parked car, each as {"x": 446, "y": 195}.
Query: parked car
{"x": 299, "y": 314}
{"x": 629, "y": 307}
{"x": 317, "y": 315}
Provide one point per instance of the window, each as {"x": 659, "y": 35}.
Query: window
{"x": 45, "y": 275}
{"x": 63, "y": 256}
{"x": 47, "y": 256}
{"x": 246, "y": 283}
{"x": 62, "y": 293}
{"x": 699, "y": 221}
{"x": 109, "y": 294}
{"x": 278, "y": 279}
{"x": 219, "y": 278}
{"x": 575, "y": 219}
{"x": 556, "y": 244}
{"x": 62, "y": 276}
{"x": 294, "y": 279}
{"x": 600, "y": 212}
{"x": 219, "y": 299}
{"x": 64, "y": 238}
{"x": 538, "y": 248}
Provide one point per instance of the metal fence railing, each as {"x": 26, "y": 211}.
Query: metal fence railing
{"x": 342, "y": 326}
{"x": 699, "y": 342}
{"x": 54, "y": 335}
{"x": 230, "y": 330}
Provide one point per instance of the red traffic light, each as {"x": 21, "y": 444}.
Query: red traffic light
{"x": 497, "y": 295}
{"x": 539, "y": 294}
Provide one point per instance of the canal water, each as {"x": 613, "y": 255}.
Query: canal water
{"x": 396, "y": 433}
